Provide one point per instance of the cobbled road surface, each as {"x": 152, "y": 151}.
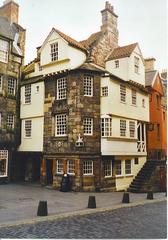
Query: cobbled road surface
{"x": 140, "y": 222}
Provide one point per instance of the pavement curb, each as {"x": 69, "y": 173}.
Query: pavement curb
{"x": 81, "y": 213}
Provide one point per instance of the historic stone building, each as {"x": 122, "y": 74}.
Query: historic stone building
{"x": 12, "y": 41}
{"x": 84, "y": 110}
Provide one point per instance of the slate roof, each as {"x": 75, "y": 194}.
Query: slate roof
{"x": 93, "y": 37}
{"x": 6, "y": 30}
{"x": 92, "y": 67}
{"x": 122, "y": 52}
{"x": 149, "y": 76}
{"x": 70, "y": 40}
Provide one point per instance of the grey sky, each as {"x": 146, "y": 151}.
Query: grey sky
{"x": 142, "y": 21}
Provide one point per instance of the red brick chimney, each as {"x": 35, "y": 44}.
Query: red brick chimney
{"x": 10, "y": 10}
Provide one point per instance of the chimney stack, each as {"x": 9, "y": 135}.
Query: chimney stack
{"x": 150, "y": 64}
{"x": 10, "y": 10}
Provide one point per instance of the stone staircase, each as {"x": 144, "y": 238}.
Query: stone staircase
{"x": 142, "y": 178}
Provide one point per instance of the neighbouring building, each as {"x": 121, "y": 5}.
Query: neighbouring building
{"x": 12, "y": 42}
{"x": 156, "y": 134}
{"x": 84, "y": 110}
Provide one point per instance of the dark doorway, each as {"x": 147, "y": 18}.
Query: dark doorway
{"x": 36, "y": 170}
{"x": 49, "y": 168}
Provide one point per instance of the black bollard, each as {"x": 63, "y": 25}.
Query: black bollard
{"x": 92, "y": 202}
{"x": 42, "y": 208}
{"x": 125, "y": 198}
{"x": 150, "y": 195}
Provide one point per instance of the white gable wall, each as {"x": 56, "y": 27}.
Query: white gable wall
{"x": 137, "y": 77}
{"x": 121, "y": 72}
{"x": 126, "y": 70}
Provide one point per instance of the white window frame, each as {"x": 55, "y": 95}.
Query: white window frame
{"x": 87, "y": 167}
{"x": 117, "y": 162}
{"x": 132, "y": 129}
{"x": 27, "y": 94}
{"x": 60, "y": 125}
{"x": 61, "y": 88}
{"x": 11, "y": 86}
{"x": 134, "y": 97}
{"x": 136, "y": 64}
{"x": 88, "y": 126}
{"x": 106, "y": 127}
{"x": 28, "y": 128}
{"x": 104, "y": 91}
{"x": 4, "y": 156}
{"x": 123, "y": 127}
{"x": 4, "y": 49}
{"x": 143, "y": 102}
{"x": 10, "y": 121}
{"x": 107, "y": 168}
{"x": 123, "y": 93}
{"x": 71, "y": 167}
{"x": 130, "y": 173}
{"x": 117, "y": 63}
{"x": 60, "y": 170}
{"x": 54, "y": 51}
{"x": 88, "y": 86}
{"x": 1, "y": 83}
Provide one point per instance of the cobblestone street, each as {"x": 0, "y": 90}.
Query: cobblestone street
{"x": 147, "y": 221}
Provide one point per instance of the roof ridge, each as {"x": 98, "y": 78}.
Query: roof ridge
{"x": 69, "y": 39}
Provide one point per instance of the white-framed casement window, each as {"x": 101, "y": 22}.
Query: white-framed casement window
{"x": 28, "y": 128}
{"x": 123, "y": 128}
{"x": 60, "y": 166}
{"x": 88, "y": 86}
{"x": 118, "y": 168}
{"x": 60, "y": 125}
{"x": 132, "y": 129}
{"x": 10, "y": 121}
{"x": 117, "y": 64}
{"x": 4, "y": 48}
{"x": 71, "y": 167}
{"x": 104, "y": 91}
{"x": 134, "y": 97}
{"x": 54, "y": 51}
{"x": 11, "y": 86}
{"x": 88, "y": 126}
{"x": 88, "y": 167}
{"x": 128, "y": 169}
{"x": 143, "y": 103}
{"x": 136, "y": 64}
{"x": 122, "y": 93}
{"x": 1, "y": 83}
{"x": 107, "y": 168}
{"x": 3, "y": 163}
{"x": 61, "y": 88}
{"x": 106, "y": 127}
{"x": 27, "y": 94}
{"x": 37, "y": 89}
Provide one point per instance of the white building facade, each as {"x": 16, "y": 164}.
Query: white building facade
{"x": 124, "y": 114}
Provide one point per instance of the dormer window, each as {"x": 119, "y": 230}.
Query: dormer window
{"x": 4, "y": 46}
{"x": 136, "y": 64}
{"x": 54, "y": 51}
{"x": 117, "y": 64}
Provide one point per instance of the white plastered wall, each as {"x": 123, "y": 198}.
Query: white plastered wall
{"x": 123, "y": 182}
